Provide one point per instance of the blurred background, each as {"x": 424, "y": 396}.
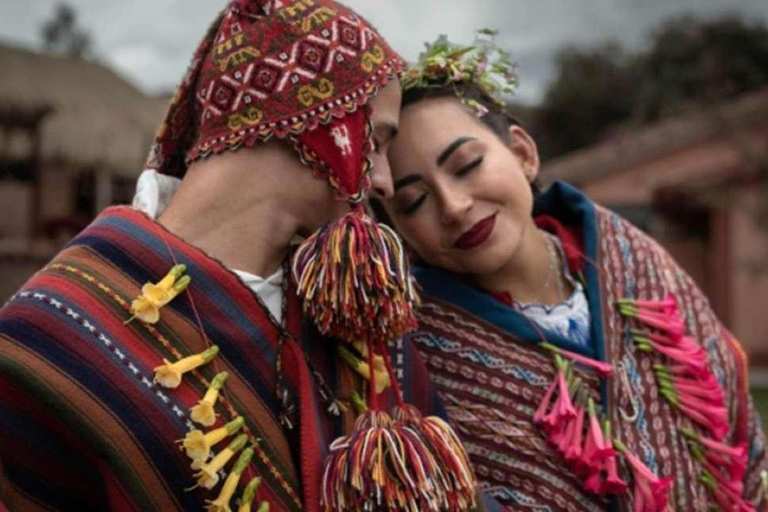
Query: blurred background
{"x": 657, "y": 109}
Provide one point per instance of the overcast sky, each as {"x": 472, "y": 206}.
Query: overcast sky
{"x": 151, "y": 41}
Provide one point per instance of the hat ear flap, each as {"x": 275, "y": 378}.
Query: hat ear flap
{"x": 338, "y": 151}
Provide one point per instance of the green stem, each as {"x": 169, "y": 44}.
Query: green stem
{"x": 242, "y": 461}
{"x": 250, "y": 490}
{"x": 234, "y": 425}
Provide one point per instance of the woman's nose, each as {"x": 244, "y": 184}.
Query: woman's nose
{"x": 455, "y": 203}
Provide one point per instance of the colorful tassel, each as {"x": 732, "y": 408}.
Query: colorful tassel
{"x": 354, "y": 280}
{"x": 204, "y": 413}
{"x": 221, "y": 503}
{"x": 169, "y": 374}
{"x": 198, "y": 444}
{"x": 452, "y": 461}
{"x": 146, "y": 307}
{"x": 403, "y": 463}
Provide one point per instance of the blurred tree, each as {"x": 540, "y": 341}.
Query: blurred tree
{"x": 62, "y": 35}
{"x": 693, "y": 62}
{"x": 689, "y": 62}
{"x": 594, "y": 89}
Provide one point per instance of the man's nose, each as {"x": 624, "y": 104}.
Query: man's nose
{"x": 381, "y": 178}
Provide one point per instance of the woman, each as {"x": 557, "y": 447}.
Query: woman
{"x": 582, "y": 367}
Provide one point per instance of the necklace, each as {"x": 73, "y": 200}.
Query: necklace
{"x": 555, "y": 264}
{"x": 555, "y": 269}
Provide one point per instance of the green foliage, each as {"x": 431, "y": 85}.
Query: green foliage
{"x": 593, "y": 89}
{"x": 688, "y": 62}
{"x": 484, "y": 64}
{"x": 692, "y": 62}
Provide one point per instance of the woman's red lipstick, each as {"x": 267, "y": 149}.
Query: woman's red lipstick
{"x": 477, "y": 234}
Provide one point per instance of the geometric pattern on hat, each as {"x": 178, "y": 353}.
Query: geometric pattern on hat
{"x": 280, "y": 69}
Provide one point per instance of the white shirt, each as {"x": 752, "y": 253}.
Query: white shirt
{"x": 153, "y": 194}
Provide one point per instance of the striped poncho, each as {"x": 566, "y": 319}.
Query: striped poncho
{"x": 84, "y": 427}
{"x": 677, "y": 397}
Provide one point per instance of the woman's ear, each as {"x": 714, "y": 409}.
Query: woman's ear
{"x": 524, "y": 147}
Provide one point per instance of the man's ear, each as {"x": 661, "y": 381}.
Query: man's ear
{"x": 524, "y": 147}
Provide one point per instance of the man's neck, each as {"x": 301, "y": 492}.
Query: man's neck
{"x": 250, "y": 234}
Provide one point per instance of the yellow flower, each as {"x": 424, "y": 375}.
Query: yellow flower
{"x": 146, "y": 307}
{"x": 221, "y": 504}
{"x": 207, "y": 475}
{"x": 169, "y": 374}
{"x": 380, "y": 373}
{"x": 203, "y": 412}
{"x": 198, "y": 444}
{"x": 249, "y": 494}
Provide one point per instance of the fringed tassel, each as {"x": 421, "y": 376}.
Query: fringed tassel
{"x": 354, "y": 279}
{"x": 451, "y": 469}
{"x": 405, "y": 462}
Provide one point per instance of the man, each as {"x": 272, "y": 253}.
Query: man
{"x": 142, "y": 347}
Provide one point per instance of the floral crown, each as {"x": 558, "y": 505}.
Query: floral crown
{"x": 484, "y": 64}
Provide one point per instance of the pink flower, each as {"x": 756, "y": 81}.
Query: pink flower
{"x": 603, "y": 369}
{"x": 563, "y": 408}
{"x": 595, "y": 448}
{"x": 651, "y": 493}
{"x": 717, "y": 427}
{"x": 573, "y": 450}
{"x": 538, "y": 416}
{"x": 667, "y": 305}
{"x": 694, "y": 360}
{"x": 593, "y": 483}
{"x": 613, "y": 484}
{"x": 706, "y": 389}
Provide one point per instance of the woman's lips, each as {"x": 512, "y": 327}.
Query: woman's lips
{"x": 477, "y": 234}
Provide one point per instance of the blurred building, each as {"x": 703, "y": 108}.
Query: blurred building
{"x": 73, "y": 138}
{"x": 694, "y": 183}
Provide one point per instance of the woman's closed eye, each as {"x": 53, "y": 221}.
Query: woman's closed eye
{"x": 466, "y": 169}
{"x": 411, "y": 206}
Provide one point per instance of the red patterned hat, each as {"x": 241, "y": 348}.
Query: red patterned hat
{"x": 299, "y": 70}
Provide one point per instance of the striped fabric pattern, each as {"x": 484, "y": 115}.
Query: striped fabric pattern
{"x": 83, "y": 426}
{"x": 492, "y": 374}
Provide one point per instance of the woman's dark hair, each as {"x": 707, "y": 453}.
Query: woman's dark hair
{"x": 496, "y": 119}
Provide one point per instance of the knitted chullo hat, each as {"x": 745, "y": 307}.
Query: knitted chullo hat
{"x": 303, "y": 71}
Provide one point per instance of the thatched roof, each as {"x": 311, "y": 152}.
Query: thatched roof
{"x": 97, "y": 118}
{"x": 646, "y": 144}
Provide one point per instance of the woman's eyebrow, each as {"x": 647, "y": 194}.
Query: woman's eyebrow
{"x": 406, "y": 180}
{"x": 453, "y": 146}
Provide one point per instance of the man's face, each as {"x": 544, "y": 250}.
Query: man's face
{"x": 386, "y": 118}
